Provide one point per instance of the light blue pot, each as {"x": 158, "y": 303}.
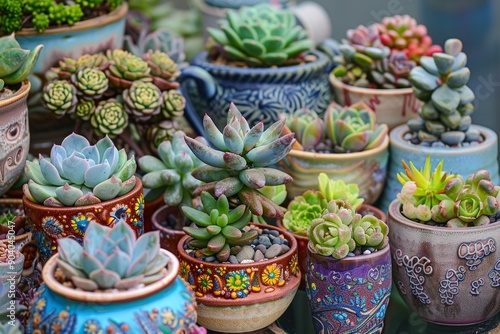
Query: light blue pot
{"x": 237, "y": 3}
{"x": 464, "y": 161}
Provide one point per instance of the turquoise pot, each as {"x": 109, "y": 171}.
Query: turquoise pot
{"x": 166, "y": 306}
{"x": 464, "y": 160}
{"x": 261, "y": 94}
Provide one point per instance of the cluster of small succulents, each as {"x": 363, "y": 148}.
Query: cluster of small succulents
{"x": 441, "y": 83}
{"x": 383, "y": 54}
{"x": 109, "y": 90}
{"x": 77, "y": 173}
{"x": 112, "y": 258}
{"x": 341, "y": 130}
{"x": 261, "y": 36}
{"x": 42, "y": 14}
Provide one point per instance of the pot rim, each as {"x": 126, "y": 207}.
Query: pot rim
{"x": 99, "y": 21}
{"x": 20, "y": 94}
{"x": 395, "y": 212}
{"x": 109, "y": 297}
{"x": 356, "y": 258}
{"x": 156, "y": 223}
{"x": 368, "y": 91}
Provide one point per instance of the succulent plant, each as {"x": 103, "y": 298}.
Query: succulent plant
{"x": 173, "y": 104}
{"x": 163, "y": 69}
{"x": 158, "y": 133}
{"x": 441, "y": 83}
{"x": 78, "y": 173}
{"x": 172, "y": 174}
{"x": 15, "y": 63}
{"x": 142, "y": 100}
{"x": 218, "y": 226}
{"x": 112, "y": 258}
{"x": 239, "y": 164}
{"x": 69, "y": 66}
{"x": 90, "y": 82}
{"x": 330, "y": 237}
{"x": 60, "y": 97}
{"x": 109, "y": 118}
{"x": 338, "y": 189}
{"x": 7, "y": 304}
{"x": 302, "y": 210}
{"x": 261, "y": 36}
{"x": 125, "y": 68}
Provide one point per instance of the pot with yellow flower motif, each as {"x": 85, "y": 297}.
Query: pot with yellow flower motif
{"x": 242, "y": 297}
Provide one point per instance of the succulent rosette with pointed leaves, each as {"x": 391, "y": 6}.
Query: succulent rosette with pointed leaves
{"x": 109, "y": 118}
{"x": 302, "y": 210}
{"x": 142, "y": 101}
{"x": 338, "y": 189}
{"x": 238, "y": 165}
{"x": 112, "y": 258}
{"x": 90, "y": 83}
{"x": 125, "y": 68}
{"x": 84, "y": 109}
{"x": 69, "y": 66}
{"x": 329, "y": 236}
{"x": 163, "y": 131}
{"x": 77, "y": 173}
{"x": 60, "y": 97}
{"x": 173, "y": 104}
{"x": 164, "y": 70}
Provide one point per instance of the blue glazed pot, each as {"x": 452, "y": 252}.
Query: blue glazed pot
{"x": 261, "y": 94}
{"x": 464, "y": 160}
{"x": 236, "y": 3}
{"x": 166, "y": 306}
{"x": 349, "y": 295}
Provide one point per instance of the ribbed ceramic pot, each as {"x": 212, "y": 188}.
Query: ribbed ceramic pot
{"x": 463, "y": 160}
{"x": 392, "y": 106}
{"x": 261, "y": 94}
{"x": 448, "y": 276}
{"x": 239, "y": 298}
{"x": 169, "y": 237}
{"x": 349, "y": 295}
{"x": 51, "y": 223}
{"x": 166, "y": 306}
{"x": 14, "y": 136}
{"x": 367, "y": 169}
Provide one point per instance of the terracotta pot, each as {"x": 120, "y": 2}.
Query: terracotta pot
{"x": 462, "y": 160}
{"x": 51, "y": 223}
{"x": 367, "y": 169}
{"x": 303, "y": 240}
{"x": 169, "y": 238}
{"x": 349, "y": 295}
{"x": 14, "y": 136}
{"x": 255, "y": 301}
{"x": 166, "y": 306}
{"x": 449, "y": 276}
{"x": 150, "y": 208}
{"x": 392, "y": 106}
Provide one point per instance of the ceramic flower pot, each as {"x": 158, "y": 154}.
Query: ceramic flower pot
{"x": 14, "y": 136}
{"x": 166, "y": 306}
{"x": 169, "y": 237}
{"x": 349, "y": 295}
{"x": 392, "y": 106}
{"x": 261, "y": 94}
{"x": 463, "y": 161}
{"x": 367, "y": 169}
{"x": 51, "y": 223}
{"x": 238, "y": 298}
{"x": 150, "y": 208}
{"x": 448, "y": 276}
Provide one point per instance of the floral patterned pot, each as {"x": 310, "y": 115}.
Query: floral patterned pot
{"x": 261, "y": 94}
{"x": 449, "y": 276}
{"x": 392, "y": 106}
{"x": 50, "y": 223}
{"x": 238, "y": 298}
{"x": 14, "y": 136}
{"x": 169, "y": 238}
{"x": 463, "y": 160}
{"x": 166, "y": 306}
{"x": 349, "y": 295}
{"x": 367, "y": 169}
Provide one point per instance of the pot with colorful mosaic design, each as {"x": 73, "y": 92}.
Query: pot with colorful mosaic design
{"x": 169, "y": 237}
{"x": 448, "y": 276}
{"x": 238, "y": 298}
{"x": 165, "y": 306}
{"x": 348, "y": 295}
{"x": 51, "y": 223}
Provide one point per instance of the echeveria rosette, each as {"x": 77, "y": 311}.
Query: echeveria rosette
{"x": 218, "y": 226}
{"x": 338, "y": 189}
{"x": 330, "y": 237}
{"x": 90, "y": 83}
{"x": 238, "y": 164}
{"x": 308, "y": 127}
{"x": 142, "y": 101}
{"x": 302, "y": 210}
{"x": 60, "y": 97}
{"x": 112, "y": 258}
{"x": 173, "y": 104}
{"x": 393, "y": 71}
{"x": 163, "y": 131}
{"x": 69, "y": 66}
{"x": 369, "y": 231}
{"x": 77, "y": 173}
{"x": 109, "y": 118}
{"x": 125, "y": 68}
{"x": 163, "y": 69}
{"x": 261, "y": 35}
{"x": 84, "y": 109}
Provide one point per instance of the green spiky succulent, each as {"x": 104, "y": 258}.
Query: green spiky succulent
{"x": 338, "y": 189}
{"x": 238, "y": 165}
{"x": 78, "y": 173}
{"x": 261, "y": 36}
{"x": 302, "y": 210}
{"x": 218, "y": 227}
{"x": 112, "y": 258}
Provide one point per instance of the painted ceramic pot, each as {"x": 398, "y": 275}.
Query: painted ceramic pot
{"x": 166, "y": 306}
{"x": 463, "y": 161}
{"x": 169, "y": 238}
{"x": 302, "y": 240}
{"x": 392, "y": 106}
{"x": 48, "y": 224}
{"x": 349, "y": 295}
{"x": 449, "y": 276}
{"x": 14, "y": 136}
{"x": 367, "y": 169}
{"x": 261, "y": 94}
{"x": 239, "y": 298}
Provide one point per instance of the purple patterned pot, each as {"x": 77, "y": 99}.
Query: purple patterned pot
{"x": 348, "y": 295}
